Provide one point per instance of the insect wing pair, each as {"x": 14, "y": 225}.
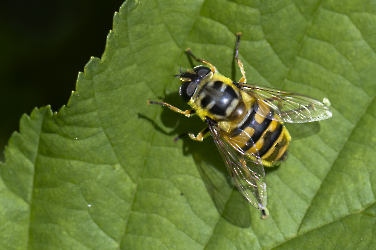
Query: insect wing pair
{"x": 246, "y": 169}
{"x": 250, "y": 133}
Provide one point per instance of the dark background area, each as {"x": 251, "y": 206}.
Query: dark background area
{"x": 43, "y": 45}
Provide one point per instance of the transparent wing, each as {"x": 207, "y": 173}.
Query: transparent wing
{"x": 247, "y": 171}
{"x": 288, "y": 106}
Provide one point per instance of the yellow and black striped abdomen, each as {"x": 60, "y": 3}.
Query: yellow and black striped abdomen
{"x": 269, "y": 138}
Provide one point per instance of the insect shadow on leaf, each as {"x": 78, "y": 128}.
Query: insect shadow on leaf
{"x": 218, "y": 183}
{"x": 246, "y": 122}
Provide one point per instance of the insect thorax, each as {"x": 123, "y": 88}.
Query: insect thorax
{"x": 219, "y": 99}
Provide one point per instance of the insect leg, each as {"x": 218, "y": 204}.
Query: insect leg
{"x": 187, "y": 113}
{"x": 200, "y": 136}
{"x": 212, "y": 68}
{"x": 243, "y": 79}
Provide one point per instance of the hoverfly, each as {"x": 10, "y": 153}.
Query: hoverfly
{"x": 245, "y": 121}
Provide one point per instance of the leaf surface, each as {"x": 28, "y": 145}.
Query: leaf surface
{"x": 104, "y": 173}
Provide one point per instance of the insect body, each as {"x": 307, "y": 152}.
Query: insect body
{"x": 245, "y": 121}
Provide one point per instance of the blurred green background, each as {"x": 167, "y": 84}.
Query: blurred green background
{"x": 43, "y": 45}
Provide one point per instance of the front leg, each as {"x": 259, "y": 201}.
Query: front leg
{"x": 212, "y": 68}
{"x": 243, "y": 79}
{"x": 187, "y": 113}
{"x": 200, "y": 136}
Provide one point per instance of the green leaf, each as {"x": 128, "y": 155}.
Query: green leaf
{"x": 104, "y": 173}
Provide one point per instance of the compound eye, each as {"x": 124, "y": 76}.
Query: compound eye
{"x": 187, "y": 89}
{"x": 191, "y": 88}
{"x": 202, "y": 71}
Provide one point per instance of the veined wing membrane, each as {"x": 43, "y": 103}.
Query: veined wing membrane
{"x": 248, "y": 174}
{"x": 289, "y": 106}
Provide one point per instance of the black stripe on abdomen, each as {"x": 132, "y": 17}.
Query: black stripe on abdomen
{"x": 259, "y": 129}
{"x": 269, "y": 139}
{"x": 280, "y": 147}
